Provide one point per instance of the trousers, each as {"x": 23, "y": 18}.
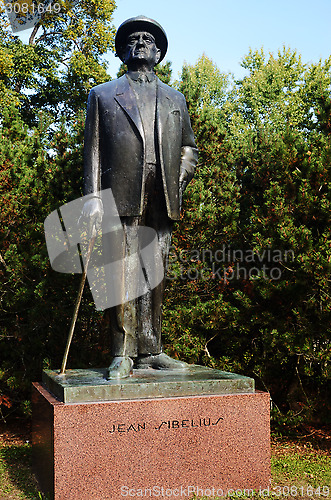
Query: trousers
{"x": 136, "y": 325}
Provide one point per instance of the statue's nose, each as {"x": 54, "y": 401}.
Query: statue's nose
{"x": 141, "y": 41}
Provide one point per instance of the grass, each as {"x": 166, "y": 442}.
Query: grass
{"x": 16, "y": 478}
{"x": 303, "y": 465}
{"x": 312, "y": 469}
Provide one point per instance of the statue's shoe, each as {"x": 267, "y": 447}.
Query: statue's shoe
{"x": 120, "y": 367}
{"x": 160, "y": 362}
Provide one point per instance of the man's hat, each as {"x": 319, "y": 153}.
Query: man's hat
{"x": 141, "y": 23}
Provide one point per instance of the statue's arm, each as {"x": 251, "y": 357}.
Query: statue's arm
{"x": 93, "y": 209}
{"x": 92, "y": 172}
{"x": 189, "y": 153}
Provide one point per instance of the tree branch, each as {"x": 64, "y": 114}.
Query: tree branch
{"x": 33, "y": 34}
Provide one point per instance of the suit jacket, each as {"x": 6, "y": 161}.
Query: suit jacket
{"x": 114, "y": 145}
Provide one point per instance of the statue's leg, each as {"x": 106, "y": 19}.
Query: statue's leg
{"x": 150, "y": 311}
{"x": 150, "y": 304}
{"x": 123, "y": 318}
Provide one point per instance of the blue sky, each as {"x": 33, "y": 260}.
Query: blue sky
{"x": 225, "y": 29}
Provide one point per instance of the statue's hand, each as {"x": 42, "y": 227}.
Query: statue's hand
{"x": 92, "y": 212}
{"x": 183, "y": 179}
{"x": 182, "y": 185}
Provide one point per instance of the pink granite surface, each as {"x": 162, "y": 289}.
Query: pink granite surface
{"x": 159, "y": 448}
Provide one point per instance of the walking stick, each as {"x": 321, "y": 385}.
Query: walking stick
{"x": 78, "y": 301}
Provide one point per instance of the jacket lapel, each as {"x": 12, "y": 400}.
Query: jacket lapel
{"x": 127, "y": 100}
{"x": 164, "y": 104}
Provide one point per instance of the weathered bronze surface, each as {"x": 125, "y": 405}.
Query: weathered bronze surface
{"x": 78, "y": 386}
{"x": 138, "y": 142}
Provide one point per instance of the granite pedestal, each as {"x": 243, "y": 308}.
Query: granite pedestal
{"x": 154, "y": 446}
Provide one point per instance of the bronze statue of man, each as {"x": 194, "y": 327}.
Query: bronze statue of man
{"x": 139, "y": 142}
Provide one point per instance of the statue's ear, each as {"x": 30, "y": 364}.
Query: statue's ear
{"x": 120, "y": 53}
{"x": 157, "y": 56}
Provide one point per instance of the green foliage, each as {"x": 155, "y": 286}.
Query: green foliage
{"x": 289, "y": 424}
{"x": 62, "y": 61}
{"x": 36, "y": 302}
{"x": 261, "y": 194}
{"x": 45, "y": 85}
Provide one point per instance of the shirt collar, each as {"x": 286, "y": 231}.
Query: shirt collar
{"x": 135, "y": 75}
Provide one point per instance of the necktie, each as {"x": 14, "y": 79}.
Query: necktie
{"x": 142, "y": 78}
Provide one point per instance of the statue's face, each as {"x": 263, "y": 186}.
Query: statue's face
{"x": 141, "y": 50}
